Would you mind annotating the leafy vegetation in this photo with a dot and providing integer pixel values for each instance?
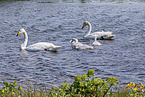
(83, 86)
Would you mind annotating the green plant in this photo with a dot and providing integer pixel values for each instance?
(86, 86)
(10, 88)
(83, 86)
(135, 89)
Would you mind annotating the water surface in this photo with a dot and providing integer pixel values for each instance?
(58, 23)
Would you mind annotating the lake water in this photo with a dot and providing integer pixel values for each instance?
(123, 57)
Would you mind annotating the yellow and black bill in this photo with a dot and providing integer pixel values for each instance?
(18, 34)
(83, 26)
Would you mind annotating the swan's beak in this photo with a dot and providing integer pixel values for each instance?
(18, 34)
(71, 41)
(83, 26)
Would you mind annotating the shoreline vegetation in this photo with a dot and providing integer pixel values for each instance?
(83, 86)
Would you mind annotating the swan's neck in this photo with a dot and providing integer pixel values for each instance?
(77, 41)
(23, 46)
(89, 29)
(95, 38)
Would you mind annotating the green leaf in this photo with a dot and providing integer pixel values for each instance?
(6, 84)
(78, 78)
(64, 86)
(84, 77)
(112, 80)
(97, 81)
(90, 72)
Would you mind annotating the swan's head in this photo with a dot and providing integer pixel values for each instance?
(21, 31)
(74, 40)
(85, 24)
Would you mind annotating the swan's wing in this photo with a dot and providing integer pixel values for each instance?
(83, 46)
(103, 35)
(42, 46)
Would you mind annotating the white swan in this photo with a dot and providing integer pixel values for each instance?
(100, 35)
(37, 46)
(96, 43)
(77, 45)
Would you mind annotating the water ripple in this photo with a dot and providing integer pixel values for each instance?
(122, 57)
